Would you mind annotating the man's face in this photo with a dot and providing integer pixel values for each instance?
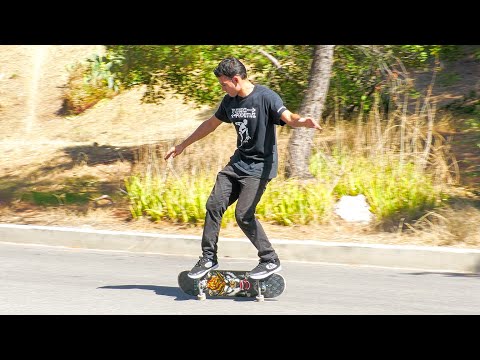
(229, 85)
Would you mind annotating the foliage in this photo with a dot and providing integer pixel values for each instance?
(188, 70)
(361, 70)
(90, 82)
(183, 200)
(358, 71)
(393, 191)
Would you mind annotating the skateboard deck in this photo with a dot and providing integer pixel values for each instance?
(231, 283)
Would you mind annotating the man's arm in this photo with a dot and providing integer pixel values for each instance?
(295, 120)
(203, 130)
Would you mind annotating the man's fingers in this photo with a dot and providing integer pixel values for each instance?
(168, 154)
(315, 124)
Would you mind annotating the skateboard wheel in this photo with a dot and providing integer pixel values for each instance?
(260, 298)
(201, 297)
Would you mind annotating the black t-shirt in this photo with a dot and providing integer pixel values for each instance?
(254, 118)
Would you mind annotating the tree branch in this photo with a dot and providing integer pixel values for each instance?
(275, 62)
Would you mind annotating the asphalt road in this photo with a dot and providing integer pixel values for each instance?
(38, 279)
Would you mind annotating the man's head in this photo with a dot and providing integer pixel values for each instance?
(230, 67)
(231, 74)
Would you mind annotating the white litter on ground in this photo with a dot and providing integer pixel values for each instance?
(354, 209)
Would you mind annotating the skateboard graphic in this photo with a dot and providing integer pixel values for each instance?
(231, 283)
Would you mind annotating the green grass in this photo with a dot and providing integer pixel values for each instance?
(68, 191)
(55, 198)
(392, 189)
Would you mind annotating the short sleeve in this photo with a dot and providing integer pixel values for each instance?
(276, 108)
(221, 113)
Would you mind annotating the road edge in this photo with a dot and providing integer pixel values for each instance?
(398, 256)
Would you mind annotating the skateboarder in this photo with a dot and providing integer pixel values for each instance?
(254, 110)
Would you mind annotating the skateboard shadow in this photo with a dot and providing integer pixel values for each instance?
(159, 290)
(171, 291)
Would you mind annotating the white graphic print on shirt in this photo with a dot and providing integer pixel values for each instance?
(243, 130)
(242, 125)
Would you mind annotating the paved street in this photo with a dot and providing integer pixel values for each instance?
(37, 279)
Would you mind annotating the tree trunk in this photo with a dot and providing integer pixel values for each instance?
(301, 140)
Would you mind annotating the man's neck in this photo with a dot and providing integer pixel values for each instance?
(247, 88)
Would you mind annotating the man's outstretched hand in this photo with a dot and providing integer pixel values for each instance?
(174, 150)
(309, 122)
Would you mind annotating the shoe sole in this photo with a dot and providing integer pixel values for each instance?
(259, 277)
(198, 276)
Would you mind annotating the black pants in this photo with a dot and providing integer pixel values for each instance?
(231, 185)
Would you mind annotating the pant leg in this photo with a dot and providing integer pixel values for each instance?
(224, 193)
(251, 192)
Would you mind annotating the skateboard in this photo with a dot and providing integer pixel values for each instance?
(231, 283)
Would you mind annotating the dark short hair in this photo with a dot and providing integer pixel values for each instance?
(230, 67)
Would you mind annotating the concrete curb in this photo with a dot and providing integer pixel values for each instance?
(400, 256)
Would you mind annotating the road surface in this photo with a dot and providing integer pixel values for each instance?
(38, 279)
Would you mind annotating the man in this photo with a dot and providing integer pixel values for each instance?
(254, 110)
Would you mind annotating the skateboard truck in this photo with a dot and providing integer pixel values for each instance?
(201, 284)
(259, 297)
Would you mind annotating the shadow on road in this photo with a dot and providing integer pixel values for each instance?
(171, 291)
(159, 290)
(451, 274)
